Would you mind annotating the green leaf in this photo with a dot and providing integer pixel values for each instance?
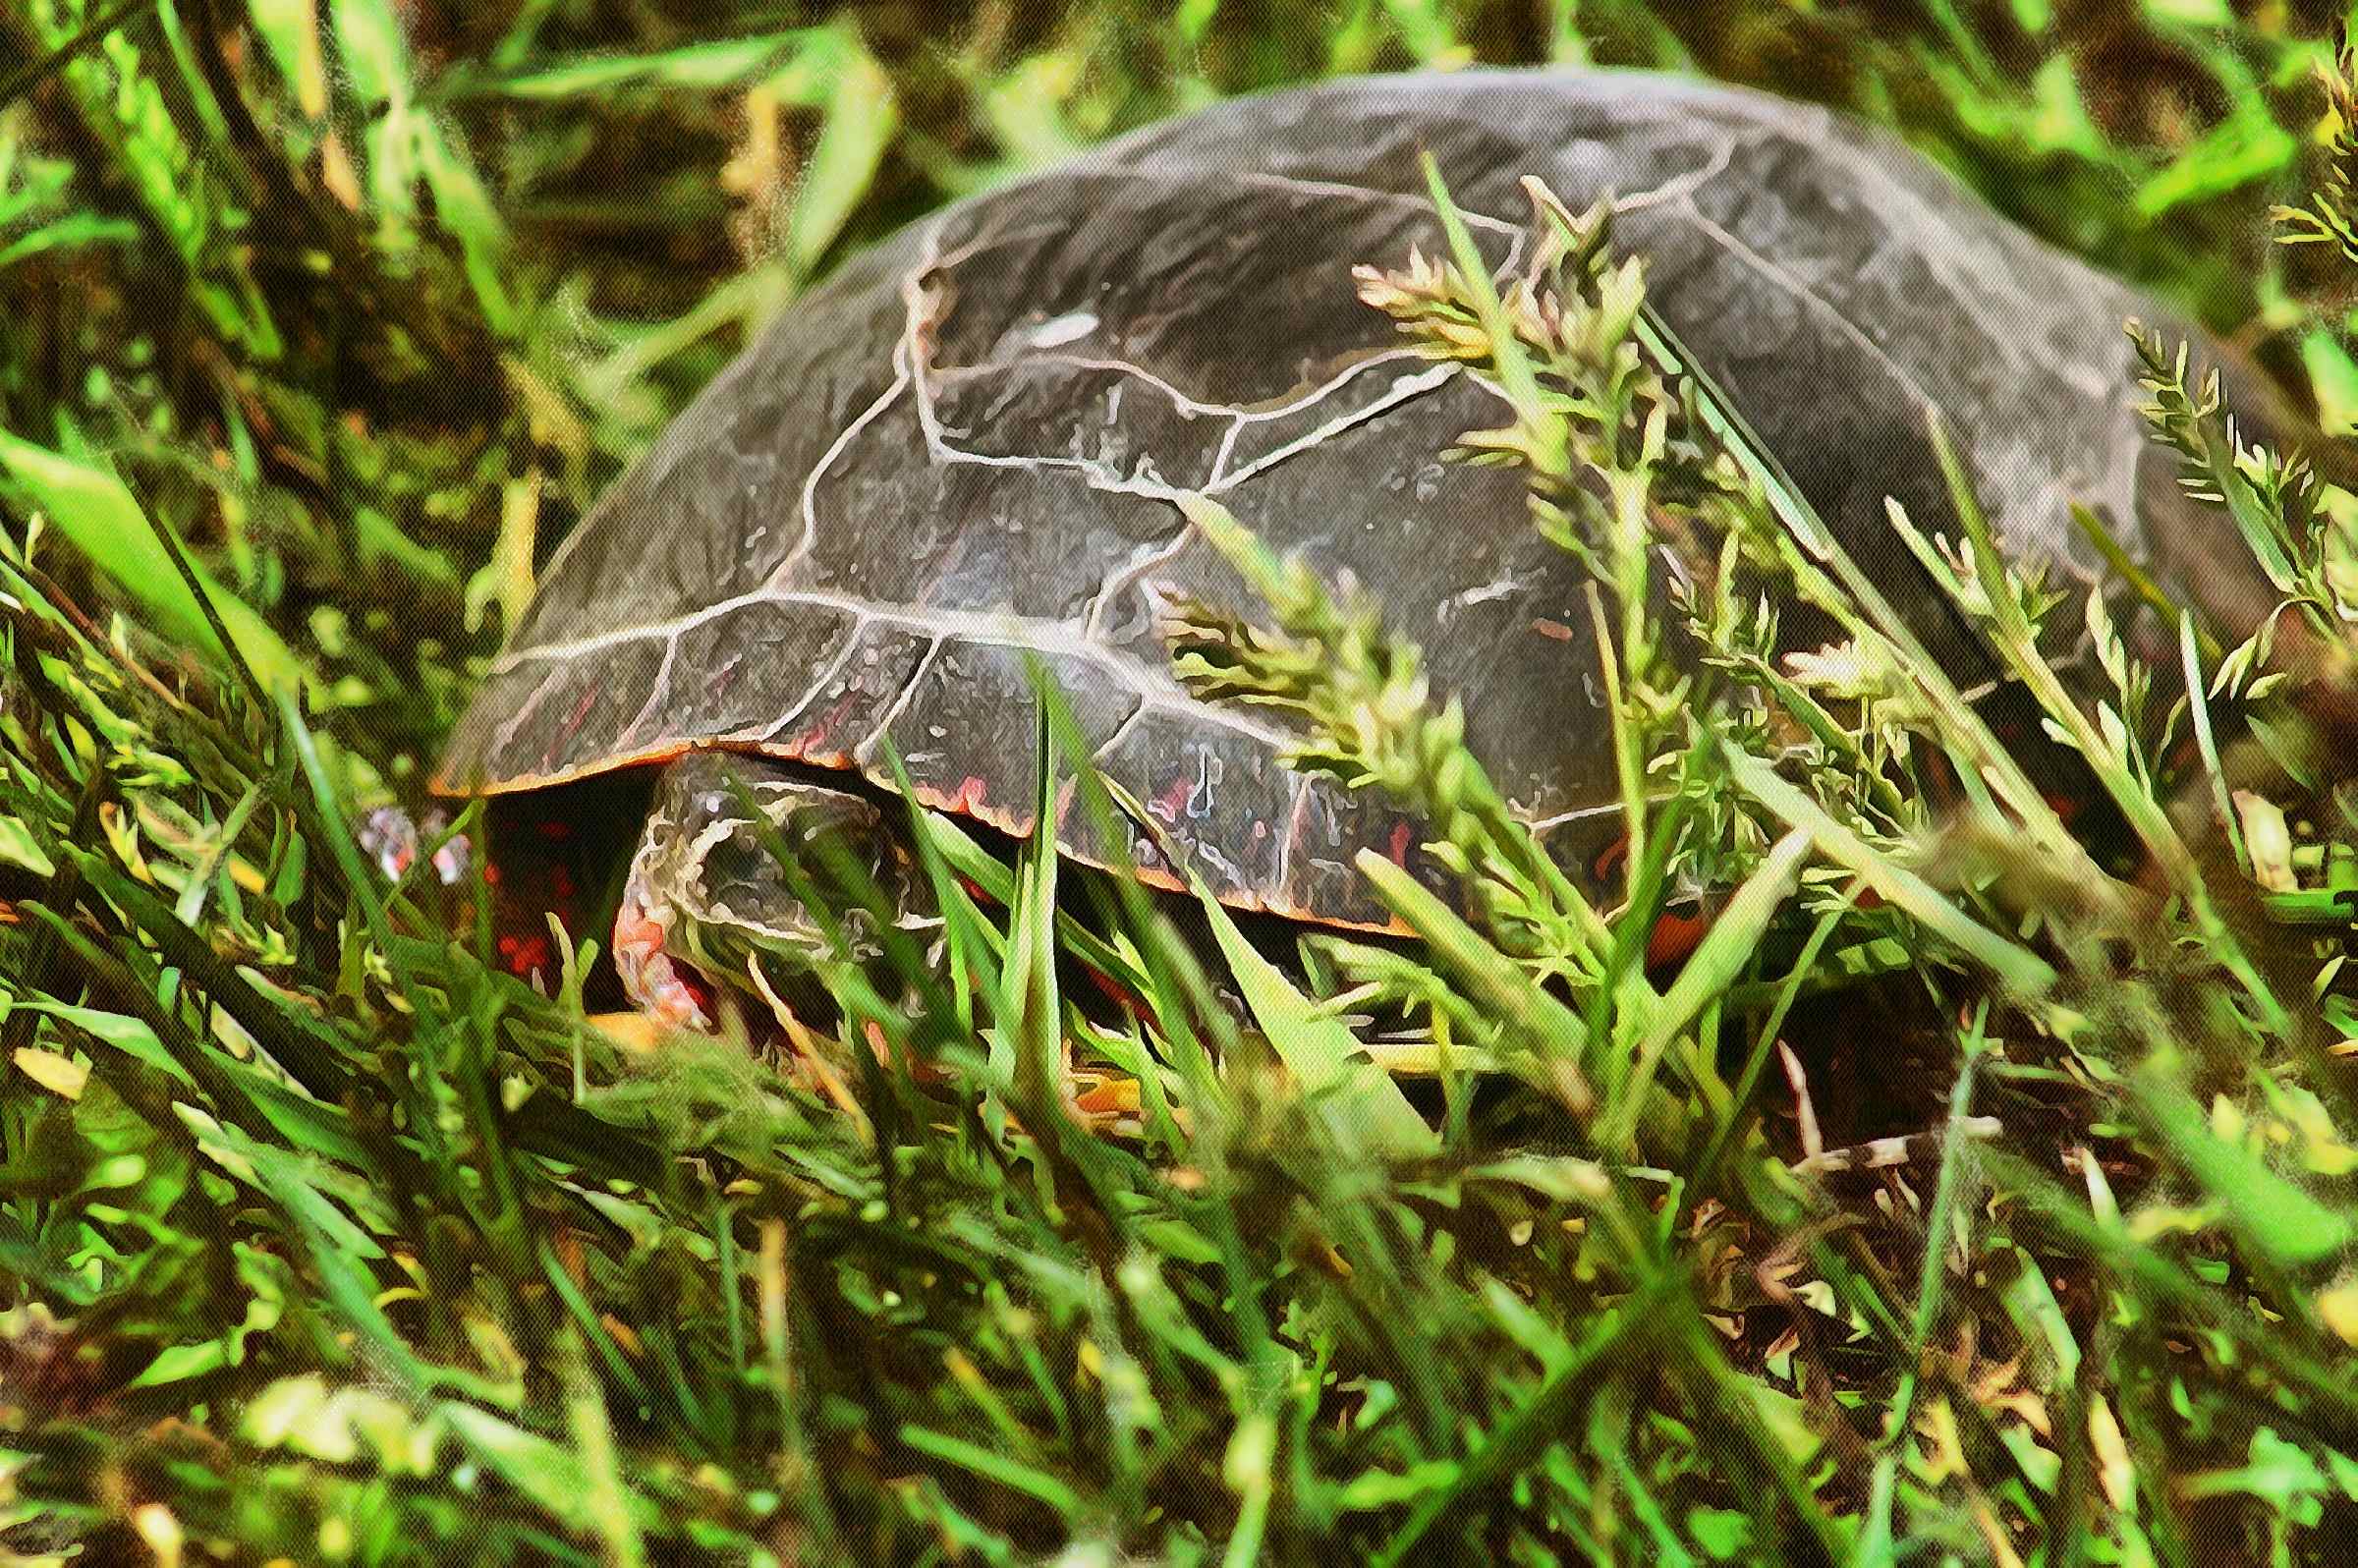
(1494, 980)
(265, 1276)
(336, 1248)
(1373, 1490)
(961, 853)
(2191, 13)
(1326, 1058)
(85, 500)
(74, 229)
(1787, 1420)
(2245, 146)
(698, 67)
(371, 49)
(290, 29)
(17, 848)
(119, 1029)
(2280, 1474)
(381, 541)
(1023, 110)
(1031, 1011)
(2017, 965)
(466, 211)
(862, 114)
(552, 1476)
(2280, 1219)
(2059, 122)
(298, 1183)
(304, 1415)
(1722, 1532)
(1715, 966)
(991, 1465)
(2333, 377)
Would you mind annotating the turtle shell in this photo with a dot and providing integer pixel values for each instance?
(962, 451)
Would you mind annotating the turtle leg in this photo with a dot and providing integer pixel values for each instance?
(707, 911)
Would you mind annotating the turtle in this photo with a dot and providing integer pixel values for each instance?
(958, 461)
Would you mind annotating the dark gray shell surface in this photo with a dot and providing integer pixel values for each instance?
(963, 449)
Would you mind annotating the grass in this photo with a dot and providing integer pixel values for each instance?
(325, 1239)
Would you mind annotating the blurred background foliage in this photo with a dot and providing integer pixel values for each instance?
(369, 299)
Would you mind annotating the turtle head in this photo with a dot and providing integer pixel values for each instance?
(710, 916)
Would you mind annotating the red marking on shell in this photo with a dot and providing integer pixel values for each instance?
(491, 873)
(1608, 859)
(562, 881)
(1673, 938)
(808, 743)
(525, 955)
(970, 794)
(1398, 849)
(1173, 799)
(555, 829)
(572, 724)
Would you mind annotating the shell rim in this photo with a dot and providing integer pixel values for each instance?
(1248, 900)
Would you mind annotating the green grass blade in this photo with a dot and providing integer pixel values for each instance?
(1716, 963)
(84, 500)
(2020, 968)
(1327, 1061)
